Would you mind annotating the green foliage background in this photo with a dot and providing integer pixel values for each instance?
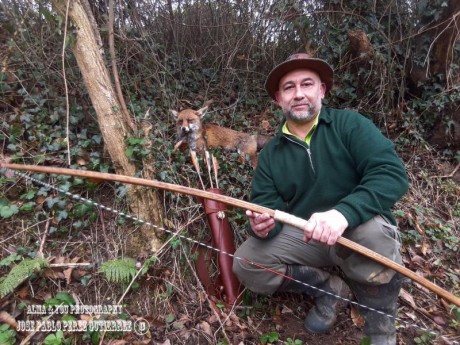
(178, 54)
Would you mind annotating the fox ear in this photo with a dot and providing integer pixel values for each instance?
(202, 112)
(174, 113)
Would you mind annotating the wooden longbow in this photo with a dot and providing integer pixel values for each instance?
(276, 214)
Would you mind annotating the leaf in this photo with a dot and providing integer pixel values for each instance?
(8, 211)
(81, 161)
(20, 273)
(356, 317)
(269, 337)
(80, 210)
(65, 297)
(170, 318)
(7, 336)
(178, 325)
(286, 310)
(52, 274)
(52, 339)
(62, 297)
(439, 320)
(206, 327)
(456, 312)
(119, 270)
(425, 248)
(129, 152)
(10, 259)
(406, 296)
(28, 206)
(62, 214)
(68, 274)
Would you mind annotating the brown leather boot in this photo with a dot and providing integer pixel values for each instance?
(320, 318)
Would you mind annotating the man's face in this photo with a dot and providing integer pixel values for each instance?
(299, 95)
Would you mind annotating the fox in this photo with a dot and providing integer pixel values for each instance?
(198, 136)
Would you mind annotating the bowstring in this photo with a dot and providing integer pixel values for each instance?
(189, 239)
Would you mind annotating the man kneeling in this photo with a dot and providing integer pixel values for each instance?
(335, 169)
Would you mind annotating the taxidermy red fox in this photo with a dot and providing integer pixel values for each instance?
(199, 136)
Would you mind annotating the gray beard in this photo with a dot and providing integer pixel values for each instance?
(301, 116)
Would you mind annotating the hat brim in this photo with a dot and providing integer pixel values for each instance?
(322, 68)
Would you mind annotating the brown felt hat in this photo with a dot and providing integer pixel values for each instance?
(299, 61)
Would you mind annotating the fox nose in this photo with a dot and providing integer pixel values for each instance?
(185, 129)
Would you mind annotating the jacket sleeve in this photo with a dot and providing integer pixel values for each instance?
(383, 176)
(264, 192)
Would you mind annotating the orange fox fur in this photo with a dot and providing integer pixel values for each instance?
(199, 136)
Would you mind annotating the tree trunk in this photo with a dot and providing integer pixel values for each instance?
(442, 36)
(115, 124)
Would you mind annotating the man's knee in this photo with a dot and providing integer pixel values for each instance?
(376, 235)
(240, 268)
(256, 277)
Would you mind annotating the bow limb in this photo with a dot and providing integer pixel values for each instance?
(277, 215)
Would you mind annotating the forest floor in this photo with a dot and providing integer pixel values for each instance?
(170, 299)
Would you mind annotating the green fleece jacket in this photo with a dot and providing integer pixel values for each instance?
(349, 166)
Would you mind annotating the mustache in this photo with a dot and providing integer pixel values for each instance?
(301, 103)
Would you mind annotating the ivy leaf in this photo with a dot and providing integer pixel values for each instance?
(61, 215)
(10, 259)
(65, 297)
(29, 206)
(81, 210)
(8, 211)
(129, 152)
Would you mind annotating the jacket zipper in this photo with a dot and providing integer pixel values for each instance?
(306, 149)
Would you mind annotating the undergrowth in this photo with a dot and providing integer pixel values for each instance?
(165, 65)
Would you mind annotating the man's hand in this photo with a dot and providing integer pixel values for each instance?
(261, 224)
(325, 227)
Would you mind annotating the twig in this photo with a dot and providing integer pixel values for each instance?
(42, 242)
(67, 106)
(452, 20)
(233, 308)
(72, 264)
(211, 303)
(20, 232)
(450, 175)
(113, 59)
